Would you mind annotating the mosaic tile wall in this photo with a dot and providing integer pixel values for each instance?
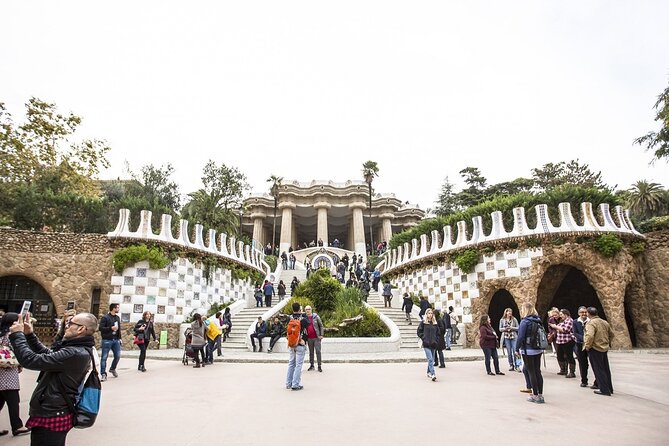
(446, 283)
(173, 292)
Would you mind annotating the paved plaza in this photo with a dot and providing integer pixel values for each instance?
(371, 403)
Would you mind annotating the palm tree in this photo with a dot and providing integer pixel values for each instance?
(370, 169)
(646, 199)
(274, 192)
(205, 208)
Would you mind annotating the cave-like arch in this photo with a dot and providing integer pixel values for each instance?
(564, 286)
(14, 290)
(501, 300)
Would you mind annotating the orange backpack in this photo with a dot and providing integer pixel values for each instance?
(293, 333)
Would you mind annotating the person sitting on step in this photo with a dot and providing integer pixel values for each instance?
(259, 333)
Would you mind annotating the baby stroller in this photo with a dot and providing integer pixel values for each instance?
(188, 347)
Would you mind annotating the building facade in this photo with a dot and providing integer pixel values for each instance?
(338, 214)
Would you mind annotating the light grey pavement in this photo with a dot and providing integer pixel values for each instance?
(374, 403)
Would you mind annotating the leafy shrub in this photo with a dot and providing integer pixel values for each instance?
(372, 261)
(637, 247)
(272, 262)
(558, 241)
(321, 288)
(608, 244)
(467, 260)
(654, 224)
(130, 255)
(303, 301)
(370, 326)
(533, 243)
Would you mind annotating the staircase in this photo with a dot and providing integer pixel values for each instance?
(409, 341)
(237, 338)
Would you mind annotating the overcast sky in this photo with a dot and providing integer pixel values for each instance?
(311, 90)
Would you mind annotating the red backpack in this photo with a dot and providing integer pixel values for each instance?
(293, 332)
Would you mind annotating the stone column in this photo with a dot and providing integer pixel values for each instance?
(286, 226)
(258, 234)
(358, 229)
(387, 230)
(322, 226)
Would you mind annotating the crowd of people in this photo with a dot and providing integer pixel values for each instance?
(64, 366)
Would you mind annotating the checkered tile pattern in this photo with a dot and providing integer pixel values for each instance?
(446, 283)
(173, 292)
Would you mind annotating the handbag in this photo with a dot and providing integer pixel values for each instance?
(8, 358)
(139, 339)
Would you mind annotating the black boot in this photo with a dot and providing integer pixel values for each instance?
(572, 371)
(563, 368)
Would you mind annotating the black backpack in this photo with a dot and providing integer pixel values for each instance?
(536, 337)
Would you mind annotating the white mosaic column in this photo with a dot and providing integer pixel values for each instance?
(322, 224)
(387, 229)
(258, 234)
(286, 227)
(358, 229)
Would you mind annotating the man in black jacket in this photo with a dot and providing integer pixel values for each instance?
(63, 368)
(110, 330)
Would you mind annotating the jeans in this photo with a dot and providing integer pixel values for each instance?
(211, 345)
(491, 352)
(268, 301)
(295, 361)
(510, 345)
(218, 345)
(447, 337)
(533, 364)
(273, 340)
(259, 337)
(429, 354)
(115, 346)
(582, 357)
(314, 344)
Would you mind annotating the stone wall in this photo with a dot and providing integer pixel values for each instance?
(67, 266)
(127, 335)
(656, 271)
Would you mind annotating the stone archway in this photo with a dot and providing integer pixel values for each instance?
(14, 290)
(565, 286)
(501, 300)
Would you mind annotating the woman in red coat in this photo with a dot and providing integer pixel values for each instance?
(488, 343)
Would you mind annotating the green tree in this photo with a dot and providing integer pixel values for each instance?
(573, 173)
(646, 200)
(43, 166)
(215, 206)
(658, 142)
(476, 191)
(446, 202)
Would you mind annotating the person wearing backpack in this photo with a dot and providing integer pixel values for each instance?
(296, 335)
(63, 370)
(531, 343)
(387, 294)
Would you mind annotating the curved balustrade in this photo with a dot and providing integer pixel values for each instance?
(568, 225)
(226, 248)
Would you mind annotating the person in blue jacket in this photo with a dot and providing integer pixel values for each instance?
(531, 356)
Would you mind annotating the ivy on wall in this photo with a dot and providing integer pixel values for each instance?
(159, 257)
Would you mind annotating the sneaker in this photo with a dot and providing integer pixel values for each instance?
(532, 399)
(434, 378)
(310, 369)
(114, 374)
(269, 350)
(499, 373)
(584, 384)
(540, 399)
(526, 390)
(297, 388)
(288, 387)
(103, 377)
(320, 369)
